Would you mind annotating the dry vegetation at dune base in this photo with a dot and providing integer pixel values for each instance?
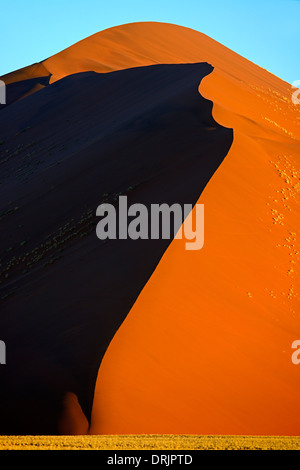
(150, 442)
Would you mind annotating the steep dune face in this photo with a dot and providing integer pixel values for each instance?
(206, 345)
(145, 133)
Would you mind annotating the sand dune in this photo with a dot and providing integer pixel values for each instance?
(67, 291)
(206, 345)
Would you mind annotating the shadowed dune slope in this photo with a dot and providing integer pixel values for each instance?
(25, 81)
(144, 132)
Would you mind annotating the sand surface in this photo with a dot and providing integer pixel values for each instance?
(202, 339)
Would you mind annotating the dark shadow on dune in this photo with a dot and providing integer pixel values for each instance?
(18, 90)
(144, 132)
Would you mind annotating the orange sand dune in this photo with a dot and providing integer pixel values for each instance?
(140, 44)
(207, 346)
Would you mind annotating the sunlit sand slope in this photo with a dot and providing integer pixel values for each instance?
(207, 346)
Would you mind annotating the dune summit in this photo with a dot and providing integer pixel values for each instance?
(142, 336)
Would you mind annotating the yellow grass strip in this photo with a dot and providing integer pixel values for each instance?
(150, 442)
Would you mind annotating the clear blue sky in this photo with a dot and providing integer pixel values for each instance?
(266, 32)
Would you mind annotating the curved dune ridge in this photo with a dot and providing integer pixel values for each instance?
(206, 347)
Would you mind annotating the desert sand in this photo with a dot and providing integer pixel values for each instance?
(149, 339)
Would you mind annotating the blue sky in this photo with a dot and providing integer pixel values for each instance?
(266, 32)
